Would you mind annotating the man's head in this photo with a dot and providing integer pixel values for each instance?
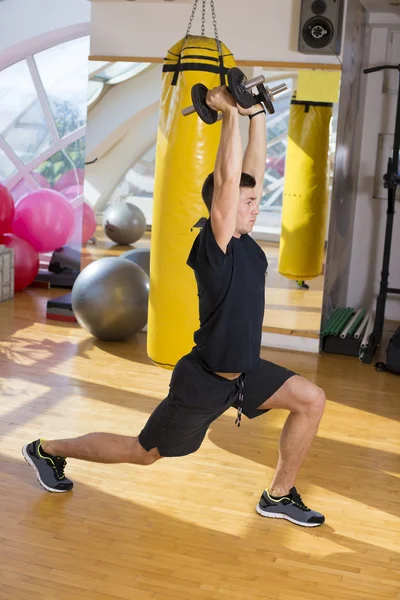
(248, 201)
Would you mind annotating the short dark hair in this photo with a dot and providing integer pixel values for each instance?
(207, 192)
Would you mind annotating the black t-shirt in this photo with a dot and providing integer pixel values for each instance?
(231, 290)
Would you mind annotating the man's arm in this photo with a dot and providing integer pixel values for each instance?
(255, 156)
(227, 170)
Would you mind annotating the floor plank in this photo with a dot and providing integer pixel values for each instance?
(186, 527)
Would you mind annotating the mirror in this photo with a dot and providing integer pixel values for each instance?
(123, 108)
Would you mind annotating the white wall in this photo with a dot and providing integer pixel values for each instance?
(25, 23)
(347, 161)
(256, 30)
(370, 217)
(119, 129)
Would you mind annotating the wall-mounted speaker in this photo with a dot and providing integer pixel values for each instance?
(321, 24)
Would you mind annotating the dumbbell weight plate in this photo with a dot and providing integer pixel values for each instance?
(236, 81)
(206, 114)
(264, 97)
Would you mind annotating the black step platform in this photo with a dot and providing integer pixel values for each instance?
(60, 309)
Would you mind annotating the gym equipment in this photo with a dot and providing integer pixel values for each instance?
(63, 269)
(110, 298)
(65, 260)
(267, 95)
(124, 223)
(26, 260)
(89, 223)
(342, 333)
(392, 355)
(87, 227)
(6, 210)
(139, 256)
(352, 324)
(60, 309)
(238, 86)
(186, 153)
(22, 188)
(6, 273)
(72, 192)
(45, 219)
(392, 180)
(306, 190)
(69, 178)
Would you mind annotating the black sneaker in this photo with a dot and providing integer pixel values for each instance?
(49, 469)
(290, 507)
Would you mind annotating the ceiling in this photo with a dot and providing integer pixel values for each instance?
(388, 6)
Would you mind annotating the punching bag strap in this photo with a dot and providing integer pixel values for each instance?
(307, 103)
(221, 58)
(177, 67)
(222, 69)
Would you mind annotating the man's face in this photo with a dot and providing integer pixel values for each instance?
(247, 211)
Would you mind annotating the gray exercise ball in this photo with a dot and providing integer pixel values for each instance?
(124, 223)
(139, 256)
(110, 299)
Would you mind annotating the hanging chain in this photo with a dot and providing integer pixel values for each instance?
(192, 17)
(215, 27)
(203, 18)
(203, 21)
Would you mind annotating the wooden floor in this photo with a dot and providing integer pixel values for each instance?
(289, 310)
(186, 528)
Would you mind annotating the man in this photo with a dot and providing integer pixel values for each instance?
(224, 368)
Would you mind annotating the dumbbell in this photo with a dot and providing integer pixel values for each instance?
(267, 95)
(238, 86)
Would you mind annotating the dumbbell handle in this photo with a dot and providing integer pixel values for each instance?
(277, 89)
(272, 91)
(249, 84)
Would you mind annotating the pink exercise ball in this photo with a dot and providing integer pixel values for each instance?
(88, 223)
(72, 192)
(73, 177)
(26, 260)
(44, 219)
(85, 223)
(6, 210)
(22, 188)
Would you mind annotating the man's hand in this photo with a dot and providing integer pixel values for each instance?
(246, 112)
(220, 99)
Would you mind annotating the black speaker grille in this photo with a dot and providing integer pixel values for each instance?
(318, 32)
(318, 7)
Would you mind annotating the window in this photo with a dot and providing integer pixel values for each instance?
(113, 73)
(277, 140)
(22, 121)
(63, 72)
(43, 101)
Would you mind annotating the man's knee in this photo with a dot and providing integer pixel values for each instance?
(310, 398)
(140, 456)
(150, 457)
(316, 400)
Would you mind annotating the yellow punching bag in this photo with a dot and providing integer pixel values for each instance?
(306, 189)
(186, 153)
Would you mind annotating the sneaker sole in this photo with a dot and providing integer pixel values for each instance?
(263, 513)
(34, 467)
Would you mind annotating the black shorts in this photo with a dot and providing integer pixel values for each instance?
(198, 396)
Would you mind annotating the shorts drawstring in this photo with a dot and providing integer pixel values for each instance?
(240, 386)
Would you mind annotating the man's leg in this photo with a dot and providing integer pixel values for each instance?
(306, 403)
(102, 448)
(47, 458)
